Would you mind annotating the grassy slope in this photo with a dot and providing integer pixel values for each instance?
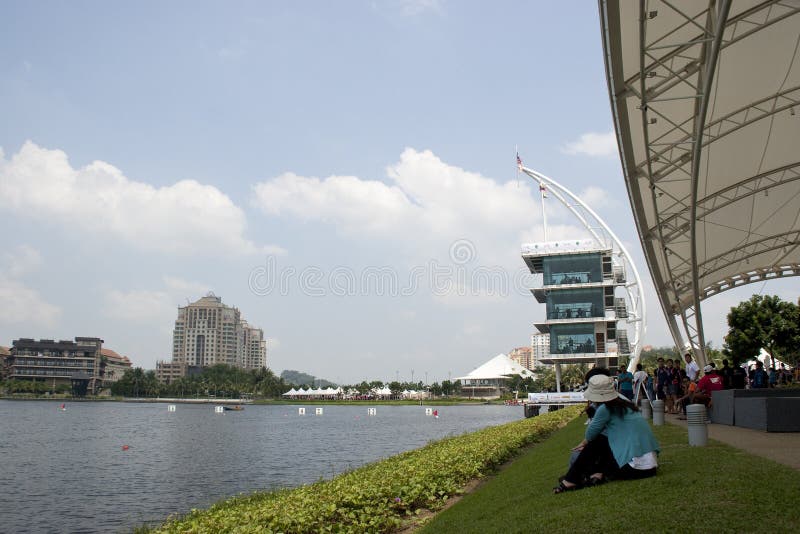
(698, 489)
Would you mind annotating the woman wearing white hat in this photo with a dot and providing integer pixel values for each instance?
(619, 443)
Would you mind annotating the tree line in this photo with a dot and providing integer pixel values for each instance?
(220, 380)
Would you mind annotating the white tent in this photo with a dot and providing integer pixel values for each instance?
(291, 393)
(301, 392)
(765, 358)
(501, 366)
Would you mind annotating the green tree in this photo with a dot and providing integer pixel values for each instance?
(764, 321)
(395, 387)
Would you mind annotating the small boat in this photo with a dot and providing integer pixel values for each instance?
(236, 408)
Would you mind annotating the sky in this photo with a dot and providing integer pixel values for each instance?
(342, 172)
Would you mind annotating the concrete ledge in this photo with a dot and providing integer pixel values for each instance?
(771, 410)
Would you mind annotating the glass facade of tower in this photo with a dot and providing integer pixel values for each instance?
(581, 310)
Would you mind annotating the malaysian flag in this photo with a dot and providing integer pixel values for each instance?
(542, 190)
(519, 161)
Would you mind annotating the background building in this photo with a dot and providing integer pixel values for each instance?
(83, 364)
(540, 348)
(522, 355)
(208, 332)
(253, 347)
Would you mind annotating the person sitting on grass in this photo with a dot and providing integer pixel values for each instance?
(619, 443)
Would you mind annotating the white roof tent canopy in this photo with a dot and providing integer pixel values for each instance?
(706, 104)
(499, 367)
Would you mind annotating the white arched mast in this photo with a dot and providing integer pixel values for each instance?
(603, 235)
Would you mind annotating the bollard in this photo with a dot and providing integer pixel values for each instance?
(696, 419)
(658, 412)
(531, 410)
(644, 406)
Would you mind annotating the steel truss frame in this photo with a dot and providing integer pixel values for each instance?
(681, 65)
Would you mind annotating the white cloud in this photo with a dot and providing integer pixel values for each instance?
(426, 204)
(593, 144)
(596, 197)
(180, 286)
(22, 260)
(22, 305)
(411, 8)
(140, 306)
(158, 307)
(184, 218)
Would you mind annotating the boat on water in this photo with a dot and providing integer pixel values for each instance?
(234, 408)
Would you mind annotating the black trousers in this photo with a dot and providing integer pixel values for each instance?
(596, 457)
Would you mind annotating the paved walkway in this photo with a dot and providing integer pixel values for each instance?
(782, 447)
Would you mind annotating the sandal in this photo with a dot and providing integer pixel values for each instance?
(596, 481)
(561, 488)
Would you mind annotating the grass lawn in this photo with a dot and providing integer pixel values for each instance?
(698, 489)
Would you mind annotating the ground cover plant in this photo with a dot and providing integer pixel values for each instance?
(716, 488)
(378, 497)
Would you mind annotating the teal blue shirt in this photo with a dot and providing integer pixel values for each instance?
(628, 384)
(628, 436)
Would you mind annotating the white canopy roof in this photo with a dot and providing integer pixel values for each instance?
(291, 392)
(501, 366)
(705, 101)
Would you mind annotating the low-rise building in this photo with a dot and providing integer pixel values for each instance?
(492, 378)
(82, 364)
(5, 352)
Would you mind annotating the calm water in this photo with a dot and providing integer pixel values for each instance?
(67, 472)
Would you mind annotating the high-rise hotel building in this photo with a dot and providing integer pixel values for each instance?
(208, 332)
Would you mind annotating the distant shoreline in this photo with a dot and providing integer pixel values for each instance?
(262, 402)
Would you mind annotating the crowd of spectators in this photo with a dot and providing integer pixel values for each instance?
(680, 386)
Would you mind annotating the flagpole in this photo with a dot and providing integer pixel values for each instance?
(516, 149)
(542, 192)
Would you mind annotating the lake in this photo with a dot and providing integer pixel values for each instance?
(67, 471)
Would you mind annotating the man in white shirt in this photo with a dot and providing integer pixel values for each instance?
(692, 369)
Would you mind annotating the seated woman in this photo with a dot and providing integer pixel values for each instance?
(618, 444)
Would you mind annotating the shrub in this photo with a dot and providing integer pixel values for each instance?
(378, 496)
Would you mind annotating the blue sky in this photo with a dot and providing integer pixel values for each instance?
(156, 151)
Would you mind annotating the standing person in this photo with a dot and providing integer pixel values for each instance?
(662, 378)
(618, 443)
(739, 377)
(625, 382)
(759, 379)
(640, 380)
(692, 369)
(727, 375)
(672, 386)
(773, 377)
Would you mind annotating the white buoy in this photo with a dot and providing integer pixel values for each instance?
(171, 408)
(428, 411)
(318, 411)
(301, 411)
(219, 409)
(372, 411)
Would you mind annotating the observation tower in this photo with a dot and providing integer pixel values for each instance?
(588, 286)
